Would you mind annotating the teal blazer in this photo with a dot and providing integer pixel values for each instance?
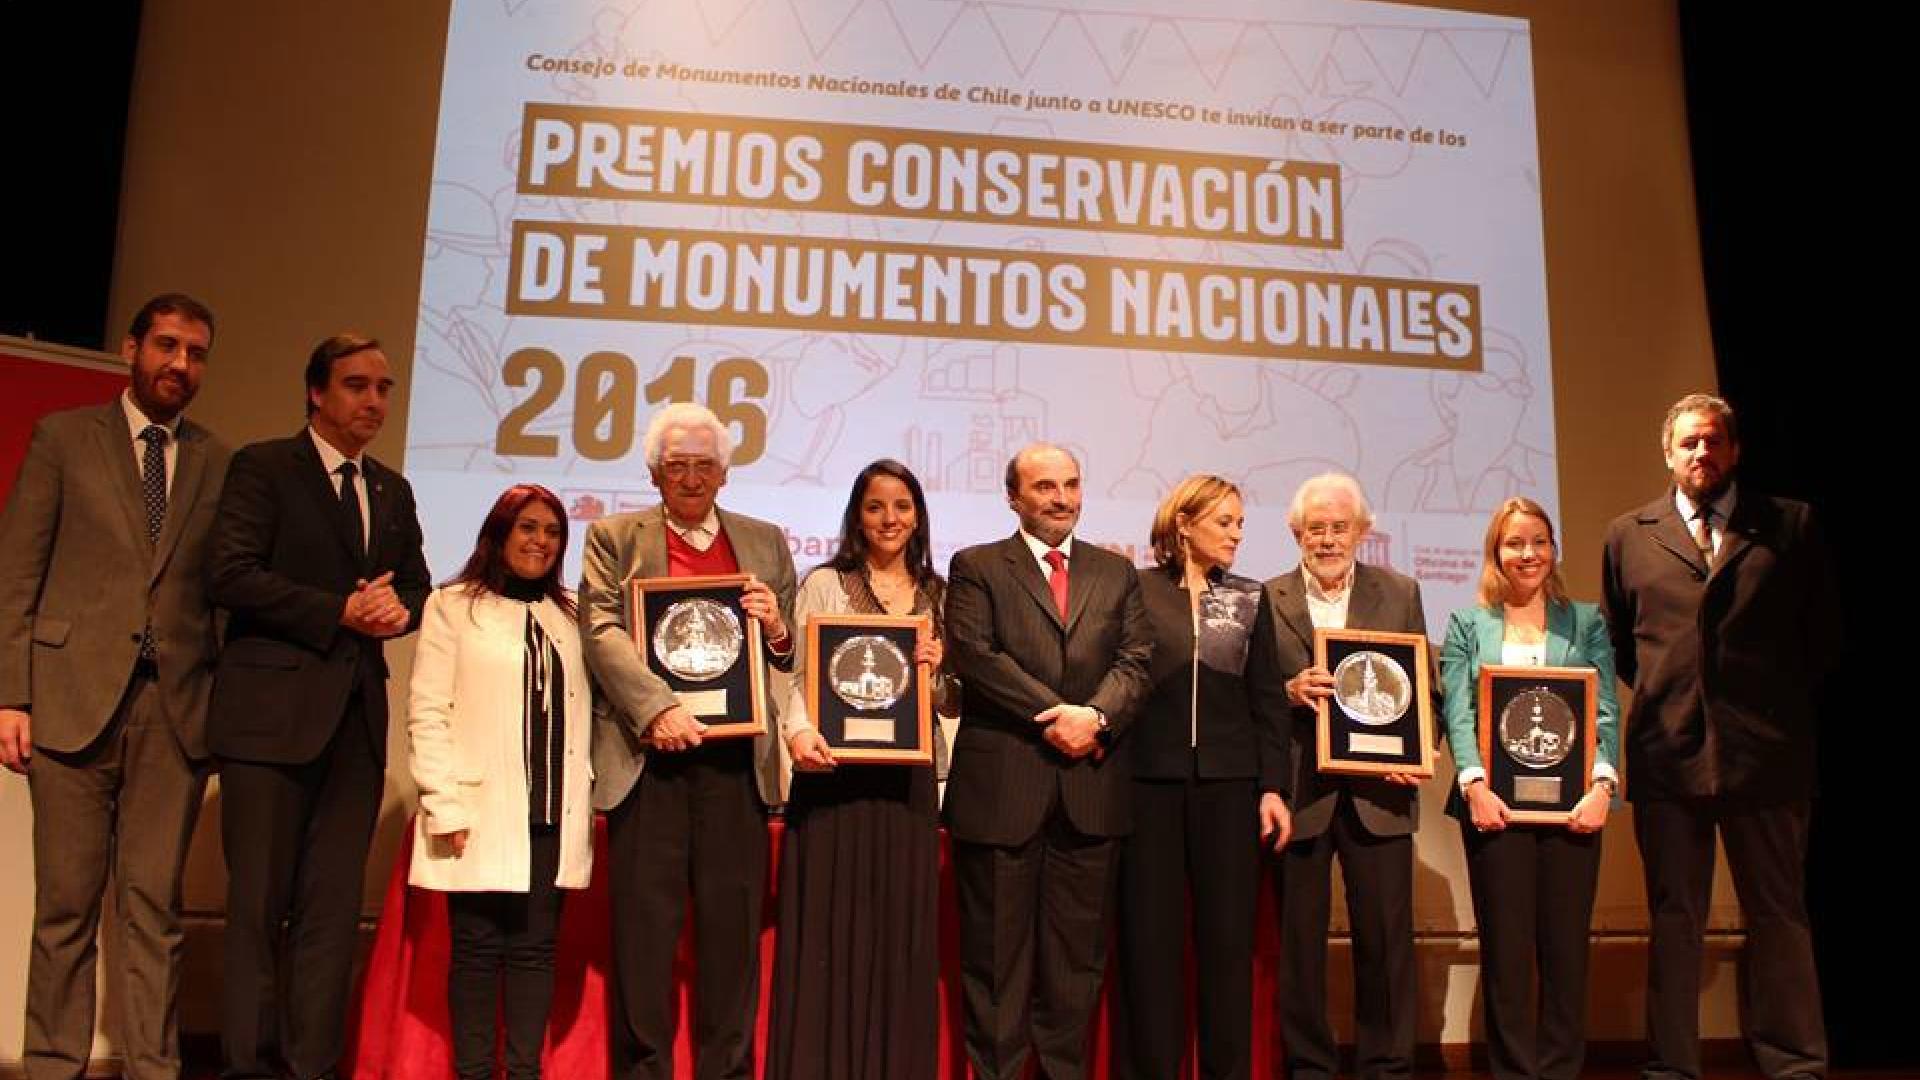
(1576, 637)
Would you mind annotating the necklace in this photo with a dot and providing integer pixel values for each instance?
(891, 588)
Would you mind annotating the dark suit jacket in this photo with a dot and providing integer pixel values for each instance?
(1723, 663)
(1240, 707)
(282, 565)
(79, 579)
(1016, 658)
(1382, 600)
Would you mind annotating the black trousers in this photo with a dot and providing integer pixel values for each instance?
(1379, 878)
(296, 839)
(1033, 947)
(694, 822)
(1199, 840)
(502, 958)
(1780, 1011)
(1533, 891)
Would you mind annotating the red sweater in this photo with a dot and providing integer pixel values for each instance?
(684, 561)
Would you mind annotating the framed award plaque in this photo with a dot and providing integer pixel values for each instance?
(865, 694)
(1380, 717)
(694, 634)
(1537, 738)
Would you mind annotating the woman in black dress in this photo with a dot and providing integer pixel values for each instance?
(855, 974)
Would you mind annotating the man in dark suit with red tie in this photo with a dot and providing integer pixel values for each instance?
(1722, 608)
(316, 556)
(1050, 639)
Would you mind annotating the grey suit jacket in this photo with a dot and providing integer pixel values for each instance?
(79, 579)
(631, 695)
(1382, 600)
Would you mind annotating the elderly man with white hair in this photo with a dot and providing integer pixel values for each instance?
(685, 815)
(1366, 822)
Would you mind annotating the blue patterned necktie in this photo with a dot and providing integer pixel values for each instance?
(153, 491)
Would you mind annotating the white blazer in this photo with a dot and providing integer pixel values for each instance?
(466, 727)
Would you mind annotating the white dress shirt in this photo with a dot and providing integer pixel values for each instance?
(1328, 608)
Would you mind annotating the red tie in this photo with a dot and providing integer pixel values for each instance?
(1057, 581)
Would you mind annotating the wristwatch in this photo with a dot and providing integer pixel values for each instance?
(1105, 735)
(1608, 782)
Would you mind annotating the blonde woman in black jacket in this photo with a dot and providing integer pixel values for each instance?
(1207, 791)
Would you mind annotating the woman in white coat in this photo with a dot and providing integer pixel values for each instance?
(499, 728)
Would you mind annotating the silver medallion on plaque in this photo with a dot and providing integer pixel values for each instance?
(697, 639)
(868, 672)
(1372, 688)
(1536, 729)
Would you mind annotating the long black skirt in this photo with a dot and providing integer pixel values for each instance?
(856, 968)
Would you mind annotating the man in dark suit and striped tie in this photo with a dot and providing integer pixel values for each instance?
(1049, 636)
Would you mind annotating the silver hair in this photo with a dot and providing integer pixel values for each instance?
(685, 414)
(1335, 482)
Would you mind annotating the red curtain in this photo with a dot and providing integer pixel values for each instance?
(35, 386)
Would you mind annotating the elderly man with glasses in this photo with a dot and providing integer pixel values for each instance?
(685, 814)
(1367, 822)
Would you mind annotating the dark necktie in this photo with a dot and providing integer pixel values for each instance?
(1703, 534)
(153, 479)
(1057, 581)
(153, 493)
(350, 510)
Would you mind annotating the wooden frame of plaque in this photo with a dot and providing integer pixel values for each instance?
(1547, 784)
(732, 700)
(898, 726)
(1383, 723)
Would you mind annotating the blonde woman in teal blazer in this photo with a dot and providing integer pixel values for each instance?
(1533, 885)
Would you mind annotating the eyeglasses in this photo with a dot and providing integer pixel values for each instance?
(681, 468)
(1320, 532)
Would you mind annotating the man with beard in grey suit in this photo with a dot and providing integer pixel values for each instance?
(106, 657)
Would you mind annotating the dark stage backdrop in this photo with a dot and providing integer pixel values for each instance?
(1801, 367)
(64, 80)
